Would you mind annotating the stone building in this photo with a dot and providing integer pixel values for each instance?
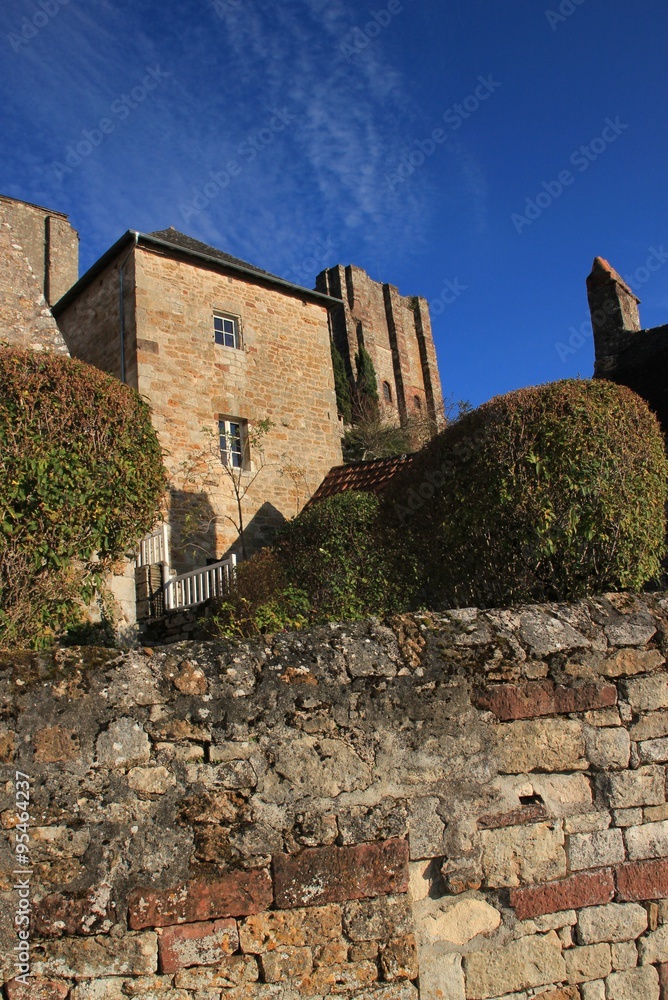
(218, 347)
(396, 331)
(235, 363)
(624, 353)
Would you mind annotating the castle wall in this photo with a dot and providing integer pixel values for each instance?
(396, 330)
(282, 372)
(25, 318)
(462, 806)
(49, 242)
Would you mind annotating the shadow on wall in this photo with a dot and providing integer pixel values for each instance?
(193, 523)
(259, 531)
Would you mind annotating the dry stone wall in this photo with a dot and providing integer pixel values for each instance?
(463, 806)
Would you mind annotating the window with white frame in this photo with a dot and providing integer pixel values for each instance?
(226, 330)
(232, 435)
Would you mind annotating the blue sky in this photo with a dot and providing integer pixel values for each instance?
(301, 133)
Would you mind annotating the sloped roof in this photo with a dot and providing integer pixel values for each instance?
(370, 477)
(184, 242)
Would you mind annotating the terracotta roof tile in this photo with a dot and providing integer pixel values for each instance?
(370, 477)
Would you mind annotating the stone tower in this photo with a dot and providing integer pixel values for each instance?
(613, 307)
(39, 253)
(396, 331)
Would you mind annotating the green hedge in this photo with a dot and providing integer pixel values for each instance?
(83, 480)
(550, 492)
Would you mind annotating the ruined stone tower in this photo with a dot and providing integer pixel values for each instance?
(39, 260)
(396, 331)
(625, 353)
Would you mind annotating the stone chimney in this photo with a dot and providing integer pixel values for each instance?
(613, 307)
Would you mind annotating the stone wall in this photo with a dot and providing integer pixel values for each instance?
(396, 331)
(462, 806)
(49, 242)
(25, 319)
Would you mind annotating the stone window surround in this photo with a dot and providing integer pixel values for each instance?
(226, 425)
(223, 314)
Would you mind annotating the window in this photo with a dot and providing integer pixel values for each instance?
(387, 392)
(226, 330)
(232, 437)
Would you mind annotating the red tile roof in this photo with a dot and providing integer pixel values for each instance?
(370, 477)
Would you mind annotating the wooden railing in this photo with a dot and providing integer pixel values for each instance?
(154, 548)
(199, 585)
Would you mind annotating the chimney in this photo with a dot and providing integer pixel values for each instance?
(613, 307)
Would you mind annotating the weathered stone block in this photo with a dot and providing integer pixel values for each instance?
(457, 923)
(633, 984)
(151, 780)
(647, 841)
(585, 889)
(228, 972)
(285, 964)
(545, 745)
(386, 821)
(613, 922)
(624, 956)
(426, 828)
(654, 947)
(644, 787)
(37, 989)
(334, 874)
(651, 726)
(197, 944)
(95, 958)
(529, 962)
(628, 662)
(587, 963)
(653, 751)
(593, 991)
(519, 855)
(377, 919)
(290, 928)
(398, 960)
(608, 748)
(55, 744)
(123, 744)
(595, 850)
(646, 694)
(538, 698)
(236, 895)
(56, 915)
(641, 880)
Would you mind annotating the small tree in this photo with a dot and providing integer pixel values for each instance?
(213, 465)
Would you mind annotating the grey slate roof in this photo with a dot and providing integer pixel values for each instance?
(184, 242)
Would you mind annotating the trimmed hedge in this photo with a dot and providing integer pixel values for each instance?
(83, 481)
(547, 493)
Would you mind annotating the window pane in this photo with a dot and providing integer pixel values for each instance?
(218, 322)
(229, 340)
(218, 334)
(228, 326)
